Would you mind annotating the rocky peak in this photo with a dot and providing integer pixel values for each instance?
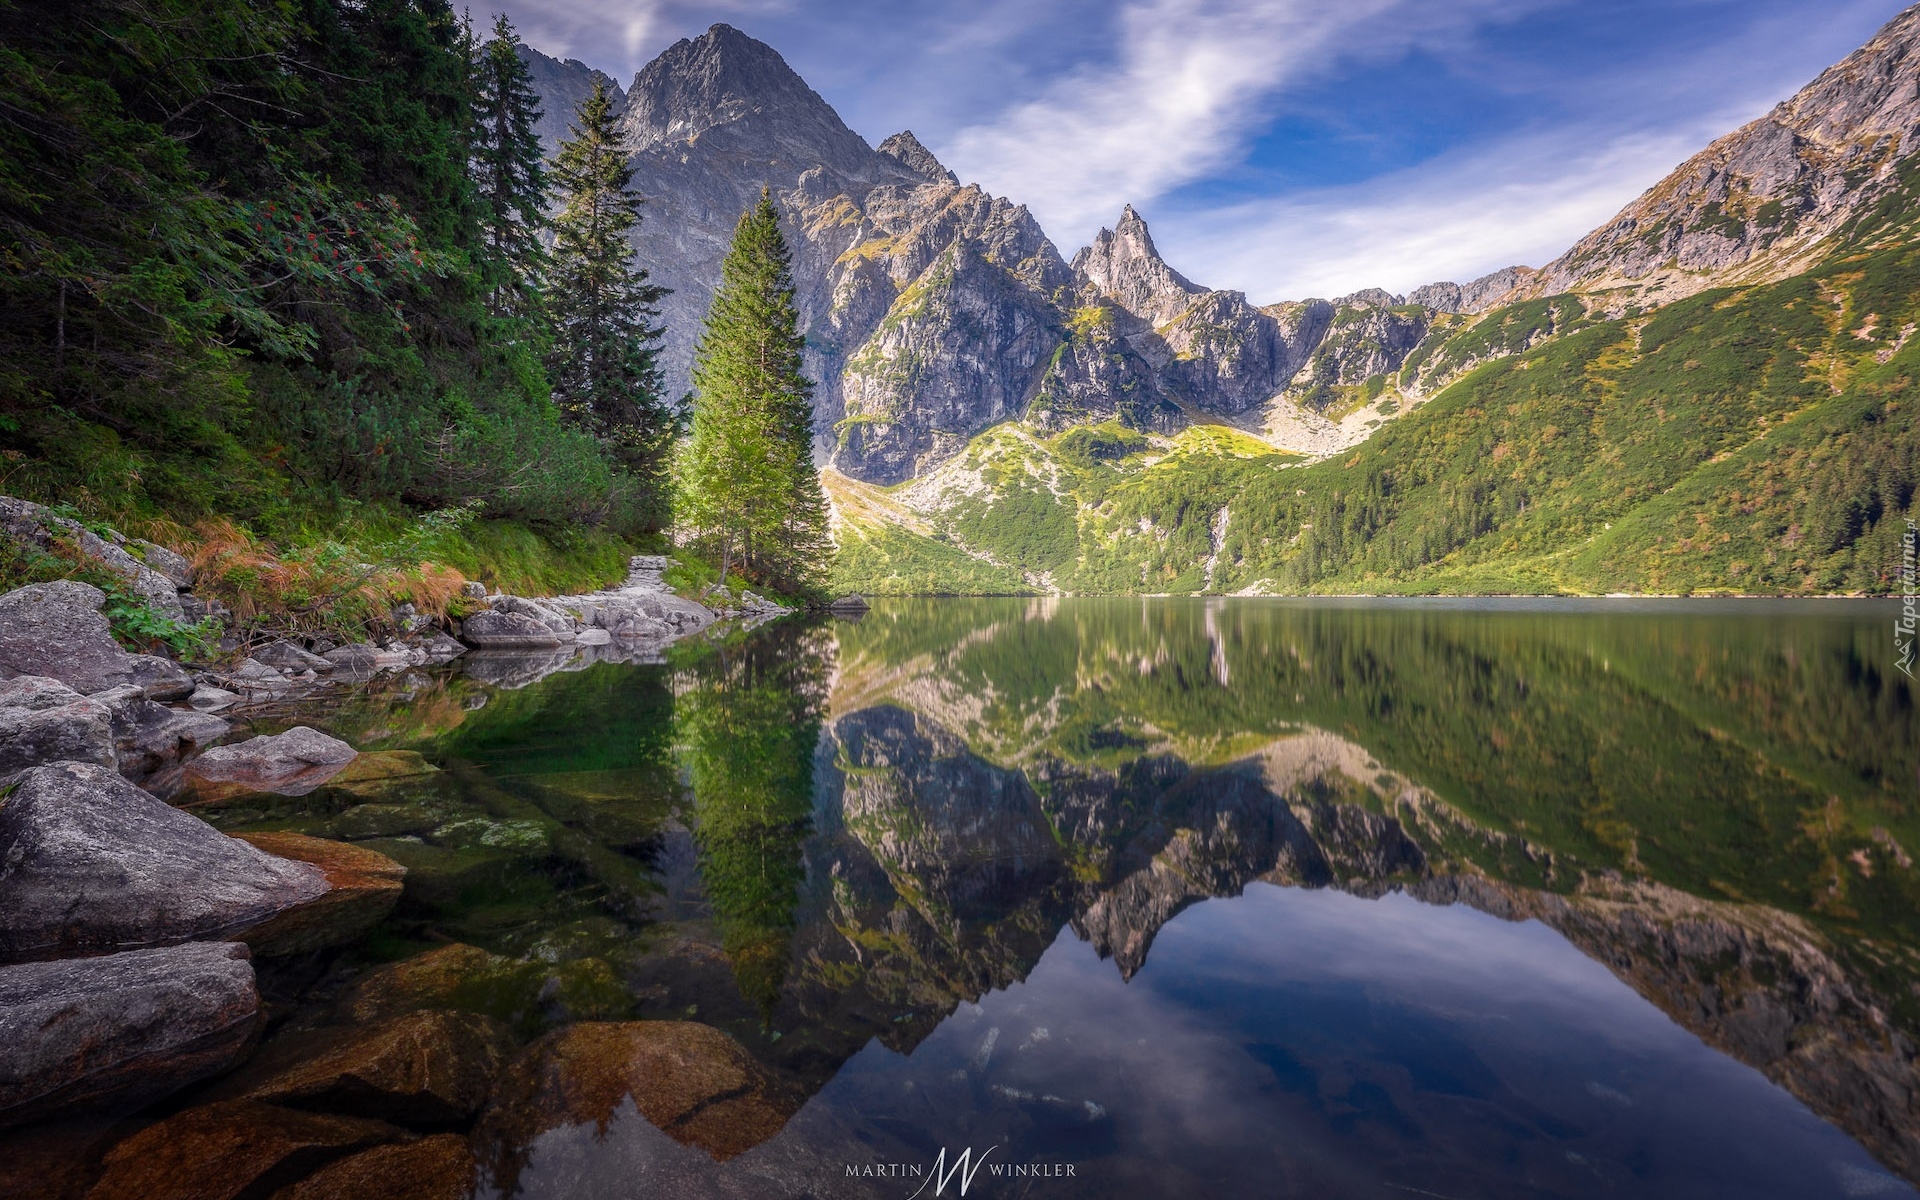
(726, 87)
(1482, 294)
(1369, 298)
(907, 149)
(1123, 265)
(1757, 204)
(563, 84)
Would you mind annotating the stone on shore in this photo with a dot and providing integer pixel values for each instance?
(56, 630)
(43, 720)
(94, 865)
(35, 525)
(148, 735)
(509, 631)
(288, 764)
(120, 1031)
(284, 655)
(362, 888)
(433, 1068)
(232, 1149)
(694, 1082)
(434, 1168)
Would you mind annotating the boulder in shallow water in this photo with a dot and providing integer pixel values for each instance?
(288, 764)
(232, 1149)
(94, 865)
(694, 1082)
(56, 630)
(434, 1168)
(285, 656)
(510, 631)
(431, 1068)
(120, 1031)
(43, 720)
(362, 888)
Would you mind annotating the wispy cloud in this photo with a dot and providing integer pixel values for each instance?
(1521, 202)
(1181, 96)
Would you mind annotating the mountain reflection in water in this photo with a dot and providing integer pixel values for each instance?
(1205, 898)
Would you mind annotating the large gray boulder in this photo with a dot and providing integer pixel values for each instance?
(35, 525)
(55, 630)
(120, 1031)
(90, 864)
(291, 763)
(148, 735)
(43, 720)
(509, 631)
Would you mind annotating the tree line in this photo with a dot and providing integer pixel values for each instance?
(285, 259)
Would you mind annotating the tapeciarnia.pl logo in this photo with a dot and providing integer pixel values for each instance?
(960, 1173)
(1904, 627)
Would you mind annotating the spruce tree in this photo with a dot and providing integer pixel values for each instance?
(604, 366)
(509, 171)
(748, 483)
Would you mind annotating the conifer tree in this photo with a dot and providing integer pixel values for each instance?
(604, 366)
(509, 171)
(748, 482)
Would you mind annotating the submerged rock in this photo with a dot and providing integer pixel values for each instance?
(55, 630)
(362, 888)
(695, 1083)
(434, 1168)
(94, 865)
(120, 1031)
(231, 1149)
(431, 1068)
(288, 764)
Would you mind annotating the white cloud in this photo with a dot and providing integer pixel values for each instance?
(1183, 96)
(1525, 201)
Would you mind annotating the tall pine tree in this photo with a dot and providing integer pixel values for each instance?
(604, 366)
(748, 483)
(509, 172)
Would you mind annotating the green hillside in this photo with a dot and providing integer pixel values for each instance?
(1759, 439)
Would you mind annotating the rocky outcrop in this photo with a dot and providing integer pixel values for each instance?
(56, 630)
(157, 576)
(1488, 291)
(563, 85)
(120, 1031)
(1757, 204)
(642, 610)
(148, 735)
(288, 764)
(90, 864)
(906, 148)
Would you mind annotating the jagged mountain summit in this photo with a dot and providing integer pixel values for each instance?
(934, 310)
(563, 84)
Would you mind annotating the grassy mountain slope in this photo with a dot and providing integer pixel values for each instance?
(1758, 439)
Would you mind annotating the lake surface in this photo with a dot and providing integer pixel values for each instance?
(1192, 898)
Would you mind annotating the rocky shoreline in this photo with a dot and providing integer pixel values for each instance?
(132, 932)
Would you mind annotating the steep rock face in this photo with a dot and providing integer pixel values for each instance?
(1368, 336)
(1210, 349)
(1755, 204)
(711, 122)
(563, 84)
(907, 149)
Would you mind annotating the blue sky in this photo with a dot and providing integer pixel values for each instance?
(1286, 148)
